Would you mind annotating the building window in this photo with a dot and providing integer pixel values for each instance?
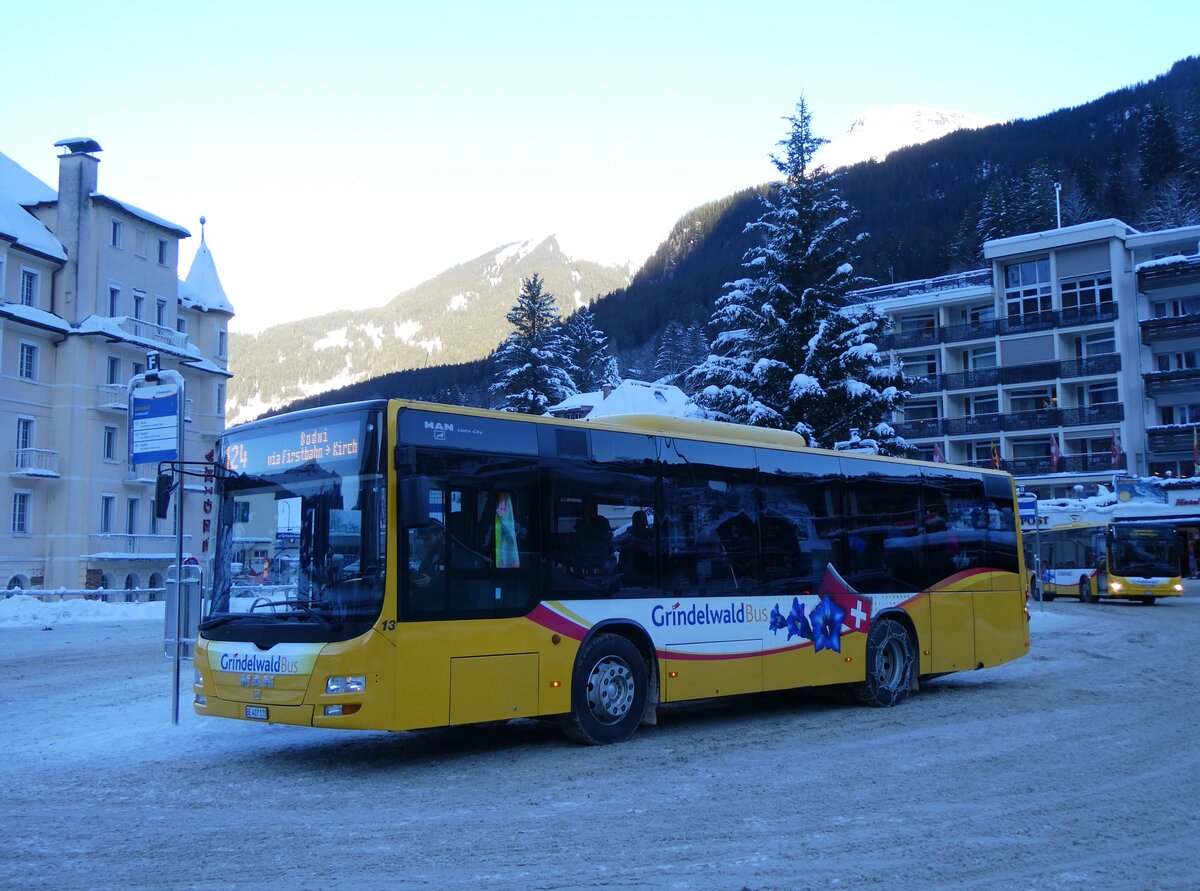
(116, 233)
(181, 325)
(1103, 343)
(160, 312)
(924, 321)
(114, 300)
(1181, 414)
(162, 252)
(220, 400)
(138, 368)
(29, 286)
(921, 364)
(1027, 288)
(979, 357)
(139, 305)
(981, 404)
(110, 443)
(1180, 306)
(28, 362)
(1102, 393)
(1033, 399)
(1087, 292)
(222, 342)
(108, 504)
(24, 433)
(140, 239)
(131, 516)
(1185, 360)
(970, 315)
(114, 370)
(20, 513)
(922, 409)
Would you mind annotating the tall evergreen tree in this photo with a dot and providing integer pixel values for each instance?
(790, 353)
(1158, 146)
(531, 364)
(587, 347)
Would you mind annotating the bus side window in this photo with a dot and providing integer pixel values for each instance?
(801, 520)
(1002, 528)
(882, 513)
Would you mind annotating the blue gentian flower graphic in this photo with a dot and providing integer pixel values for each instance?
(827, 625)
(777, 620)
(797, 622)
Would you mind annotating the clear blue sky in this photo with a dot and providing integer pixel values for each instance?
(345, 152)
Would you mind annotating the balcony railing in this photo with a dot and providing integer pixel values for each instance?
(1094, 463)
(150, 331)
(996, 422)
(35, 463)
(1029, 373)
(114, 546)
(1174, 438)
(1173, 328)
(1042, 321)
(111, 397)
(1165, 383)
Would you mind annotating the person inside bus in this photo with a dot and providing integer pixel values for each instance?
(432, 569)
(637, 556)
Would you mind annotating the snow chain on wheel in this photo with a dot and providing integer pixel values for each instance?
(608, 691)
(891, 663)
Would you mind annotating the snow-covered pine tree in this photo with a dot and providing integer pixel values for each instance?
(671, 354)
(587, 347)
(532, 367)
(789, 352)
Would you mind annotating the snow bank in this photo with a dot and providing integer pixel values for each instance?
(23, 610)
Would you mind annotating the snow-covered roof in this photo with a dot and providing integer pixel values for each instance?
(143, 214)
(202, 288)
(34, 316)
(22, 186)
(28, 231)
(629, 397)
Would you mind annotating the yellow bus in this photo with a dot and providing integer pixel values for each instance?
(1143, 561)
(434, 566)
(1092, 558)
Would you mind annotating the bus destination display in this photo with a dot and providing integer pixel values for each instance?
(274, 452)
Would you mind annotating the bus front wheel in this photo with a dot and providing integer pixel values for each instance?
(890, 665)
(1085, 592)
(608, 691)
(1148, 600)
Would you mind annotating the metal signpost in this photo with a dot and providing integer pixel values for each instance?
(156, 435)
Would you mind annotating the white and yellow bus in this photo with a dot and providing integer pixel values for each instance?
(1092, 558)
(436, 566)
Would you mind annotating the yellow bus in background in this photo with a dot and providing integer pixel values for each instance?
(433, 566)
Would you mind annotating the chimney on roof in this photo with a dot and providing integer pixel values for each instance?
(606, 389)
(77, 178)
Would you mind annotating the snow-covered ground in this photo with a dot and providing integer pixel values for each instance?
(1076, 767)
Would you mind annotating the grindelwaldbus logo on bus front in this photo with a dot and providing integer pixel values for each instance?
(256, 664)
(706, 614)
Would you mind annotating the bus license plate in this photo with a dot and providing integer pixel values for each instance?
(256, 711)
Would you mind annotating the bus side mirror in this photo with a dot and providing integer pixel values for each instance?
(162, 495)
(414, 501)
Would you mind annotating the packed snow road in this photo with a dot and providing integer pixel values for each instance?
(1076, 767)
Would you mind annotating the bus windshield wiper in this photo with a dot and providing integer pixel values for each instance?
(304, 609)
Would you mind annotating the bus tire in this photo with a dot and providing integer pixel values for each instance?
(608, 691)
(1085, 592)
(891, 662)
(1148, 600)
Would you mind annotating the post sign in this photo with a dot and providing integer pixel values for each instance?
(154, 423)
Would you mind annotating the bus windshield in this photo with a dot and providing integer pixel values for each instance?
(1143, 551)
(299, 514)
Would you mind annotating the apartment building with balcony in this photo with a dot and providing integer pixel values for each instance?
(89, 286)
(1071, 358)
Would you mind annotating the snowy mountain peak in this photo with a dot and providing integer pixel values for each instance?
(877, 132)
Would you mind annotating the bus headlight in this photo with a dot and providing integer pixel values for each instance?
(350, 684)
(198, 680)
(1114, 586)
(1178, 589)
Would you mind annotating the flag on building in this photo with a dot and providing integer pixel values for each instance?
(938, 456)
(995, 456)
(1055, 454)
(1116, 451)
(1196, 450)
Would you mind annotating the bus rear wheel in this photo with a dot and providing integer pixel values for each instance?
(890, 665)
(608, 691)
